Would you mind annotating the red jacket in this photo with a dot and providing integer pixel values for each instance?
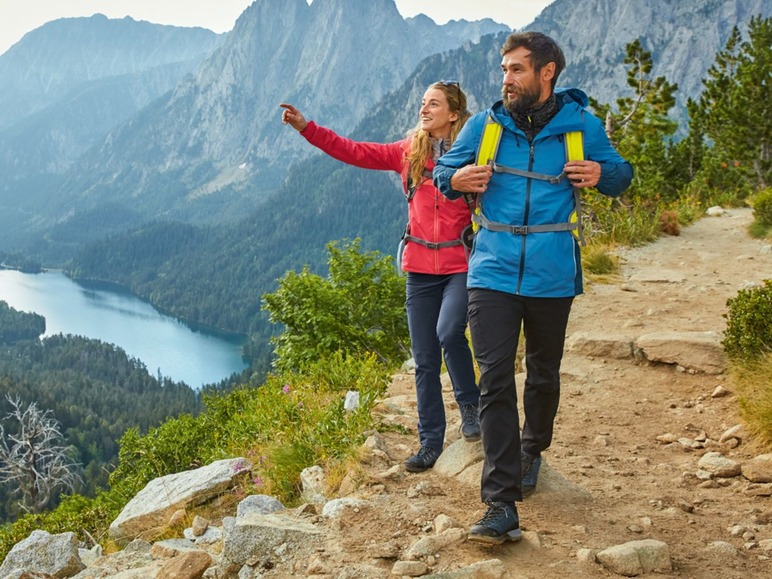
(431, 216)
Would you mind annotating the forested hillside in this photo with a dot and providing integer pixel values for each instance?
(93, 389)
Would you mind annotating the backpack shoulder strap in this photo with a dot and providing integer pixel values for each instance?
(489, 141)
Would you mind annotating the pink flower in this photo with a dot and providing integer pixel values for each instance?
(286, 389)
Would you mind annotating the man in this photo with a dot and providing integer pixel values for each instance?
(525, 266)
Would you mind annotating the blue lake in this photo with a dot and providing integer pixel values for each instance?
(162, 343)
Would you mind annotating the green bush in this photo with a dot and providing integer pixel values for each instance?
(357, 309)
(748, 331)
(762, 207)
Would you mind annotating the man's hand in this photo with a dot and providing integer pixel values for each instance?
(583, 173)
(471, 178)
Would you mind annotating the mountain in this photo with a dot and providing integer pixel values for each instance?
(50, 62)
(213, 147)
(68, 83)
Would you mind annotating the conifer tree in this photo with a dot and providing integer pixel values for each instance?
(641, 128)
(735, 110)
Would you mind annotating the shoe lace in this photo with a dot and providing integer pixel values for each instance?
(494, 512)
(425, 450)
(468, 413)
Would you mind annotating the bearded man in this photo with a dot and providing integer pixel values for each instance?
(525, 266)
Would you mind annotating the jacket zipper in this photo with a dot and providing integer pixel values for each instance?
(525, 219)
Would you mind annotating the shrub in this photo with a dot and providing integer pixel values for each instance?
(598, 261)
(748, 331)
(754, 397)
(762, 207)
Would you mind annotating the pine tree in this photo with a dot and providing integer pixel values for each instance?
(641, 129)
(735, 110)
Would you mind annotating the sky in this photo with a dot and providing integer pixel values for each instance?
(17, 17)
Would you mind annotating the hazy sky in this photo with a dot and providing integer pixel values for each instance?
(17, 17)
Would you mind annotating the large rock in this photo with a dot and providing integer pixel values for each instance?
(636, 558)
(758, 469)
(52, 555)
(698, 351)
(600, 345)
(253, 536)
(718, 465)
(149, 511)
(458, 456)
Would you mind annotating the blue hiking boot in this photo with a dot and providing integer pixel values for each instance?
(470, 422)
(530, 469)
(422, 460)
(499, 523)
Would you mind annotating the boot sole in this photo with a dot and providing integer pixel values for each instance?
(513, 536)
(409, 468)
(473, 438)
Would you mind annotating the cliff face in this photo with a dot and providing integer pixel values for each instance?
(683, 37)
(219, 131)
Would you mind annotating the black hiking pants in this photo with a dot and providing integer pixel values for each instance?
(495, 319)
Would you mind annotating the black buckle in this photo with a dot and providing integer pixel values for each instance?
(519, 229)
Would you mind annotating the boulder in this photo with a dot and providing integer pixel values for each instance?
(148, 513)
(697, 351)
(51, 555)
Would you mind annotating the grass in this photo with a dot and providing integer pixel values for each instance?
(752, 383)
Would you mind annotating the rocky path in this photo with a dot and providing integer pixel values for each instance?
(625, 463)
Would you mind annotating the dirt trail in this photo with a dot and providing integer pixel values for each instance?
(608, 480)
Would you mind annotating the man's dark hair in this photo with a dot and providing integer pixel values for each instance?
(543, 50)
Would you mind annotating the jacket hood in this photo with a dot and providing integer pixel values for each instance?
(572, 94)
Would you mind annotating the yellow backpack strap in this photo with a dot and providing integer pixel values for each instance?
(574, 146)
(489, 142)
(575, 152)
(486, 155)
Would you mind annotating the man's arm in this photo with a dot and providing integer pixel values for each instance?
(616, 174)
(455, 172)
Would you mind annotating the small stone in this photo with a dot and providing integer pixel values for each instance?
(685, 506)
(734, 432)
(409, 568)
(200, 525)
(178, 518)
(719, 392)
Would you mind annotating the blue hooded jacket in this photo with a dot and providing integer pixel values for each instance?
(543, 264)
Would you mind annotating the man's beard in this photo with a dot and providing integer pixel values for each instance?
(526, 100)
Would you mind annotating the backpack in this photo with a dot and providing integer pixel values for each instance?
(486, 155)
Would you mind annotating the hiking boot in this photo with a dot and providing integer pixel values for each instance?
(499, 523)
(470, 422)
(423, 459)
(530, 466)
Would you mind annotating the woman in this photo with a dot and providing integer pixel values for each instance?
(434, 257)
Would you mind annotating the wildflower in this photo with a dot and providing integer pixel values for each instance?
(257, 481)
(286, 389)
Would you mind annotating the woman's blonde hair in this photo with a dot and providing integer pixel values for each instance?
(421, 144)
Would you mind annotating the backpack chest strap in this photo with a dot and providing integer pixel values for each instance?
(528, 174)
(484, 222)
